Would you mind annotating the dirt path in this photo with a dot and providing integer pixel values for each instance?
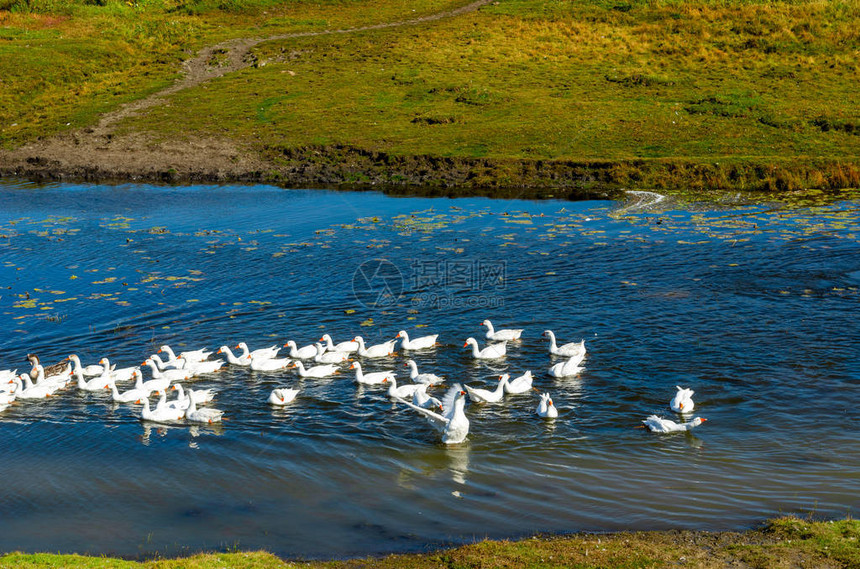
(95, 153)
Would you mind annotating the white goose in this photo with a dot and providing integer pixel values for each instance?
(567, 350)
(282, 395)
(303, 353)
(568, 367)
(491, 352)
(401, 391)
(98, 383)
(8, 384)
(203, 415)
(88, 371)
(421, 399)
(8, 375)
(545, 409)
(121, 374)
(199, 396)
(349, 347)
(452, 423)
(157, 385)
(232, 359)
(133, 395)
(683, 400)
(521, 384)
(479, 395)
(422, 343)
(500, 335)
(181, 403)
(8, 397)
(57, 381)
(199, 368)
(382, 350)
(25, 389)
(429, 378)
(176, 363)
(270, 364)
(168, 375)
(160, 414)
(261, 354)
(8, 388)
(659, 425)
(324, 357)
(374, 378)
(316, 371)
(191, 355)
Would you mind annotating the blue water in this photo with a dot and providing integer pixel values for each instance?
(753, 306)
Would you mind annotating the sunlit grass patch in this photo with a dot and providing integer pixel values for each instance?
(785, 542)
(546, 80)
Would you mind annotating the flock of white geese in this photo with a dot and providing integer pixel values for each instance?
(319, 360)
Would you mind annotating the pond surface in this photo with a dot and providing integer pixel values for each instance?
(755, 307)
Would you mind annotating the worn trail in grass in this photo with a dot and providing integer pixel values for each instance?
(102, 152)
(232, 55)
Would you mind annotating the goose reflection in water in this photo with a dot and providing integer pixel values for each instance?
(146, 437)
(458, 462)
(436, 463)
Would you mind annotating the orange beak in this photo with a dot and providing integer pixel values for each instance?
(466, 344)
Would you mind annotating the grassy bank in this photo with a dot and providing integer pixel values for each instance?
(741, 94)
(63, 63)
(782, 543)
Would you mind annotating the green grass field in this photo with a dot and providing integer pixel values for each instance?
(716, 90)
(783, 543)
(65, 62)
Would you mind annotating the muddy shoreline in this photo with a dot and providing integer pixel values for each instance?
(136, 159)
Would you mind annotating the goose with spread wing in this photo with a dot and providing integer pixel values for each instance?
(452, 422)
